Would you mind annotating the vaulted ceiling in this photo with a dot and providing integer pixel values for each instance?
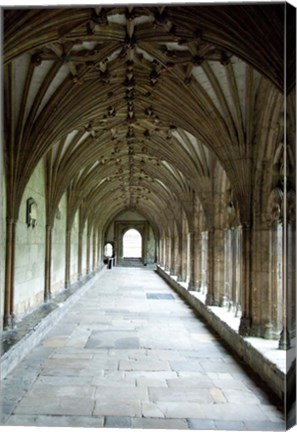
(134, 107)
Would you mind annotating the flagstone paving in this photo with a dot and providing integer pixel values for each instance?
(131, 354)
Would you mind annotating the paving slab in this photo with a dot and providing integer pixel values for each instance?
(197, 381)
(120, 408)
(233, 412)
(181, 409)
(183, 394)
(144, 365)
(202, 424)
(121, 394)
(118, 422)
(55, 421)
(122, 358)
(264, 426)
(73, 406)
(153, 423)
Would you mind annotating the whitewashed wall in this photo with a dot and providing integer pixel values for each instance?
(84, 251)
(58, 249)
(30, 249)
(2, 238)
(74, 249)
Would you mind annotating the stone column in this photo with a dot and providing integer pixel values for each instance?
(160, 252)
(228, 268)
(274, 298)
(94, 250)
(79, 257)
(285, 339)
(204, 260)
(167, 253)
(9, 274)
(180, 258)
(245, 321)
(177, 257)
(68, 258)
(198, 261)
(218, 266)
(291, 278)
(266, 282)
(210, 300)
(173, 257)
(194, 261)
(98, 250)
(88, 248)
(48, 263)
(183, 254)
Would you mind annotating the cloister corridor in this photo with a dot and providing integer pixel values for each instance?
(175, 122)
(130, 353)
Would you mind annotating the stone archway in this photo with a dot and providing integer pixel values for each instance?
(121, 228)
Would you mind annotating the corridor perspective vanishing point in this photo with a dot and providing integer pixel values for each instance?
(173, 126)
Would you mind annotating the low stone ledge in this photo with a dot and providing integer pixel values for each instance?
(15, 354)
(267, 370)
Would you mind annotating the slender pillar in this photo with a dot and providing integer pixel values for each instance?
(94, 250)
(179, 250)
(48, 263)
(99, 249)
(291, 277)
(219, 262)
(285, 340)
(9, 274)
(233, 266)
(172, 254)
(210, 269)
(168, 253)
(245, 321)
(198, 262)
(68, 259)
(88, 248)
(193, 268)
(79, 257)
(184, 255)
(175, 256)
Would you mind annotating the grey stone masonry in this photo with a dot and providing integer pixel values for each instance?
(125, 355)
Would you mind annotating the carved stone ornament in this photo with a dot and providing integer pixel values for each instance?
(291, 199)
(231, 211)
(31, 213)
(274, 206)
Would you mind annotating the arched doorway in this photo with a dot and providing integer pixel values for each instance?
(132, 244)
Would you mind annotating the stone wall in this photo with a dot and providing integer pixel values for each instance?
(151, 247)
(84, 251)
(30, 249)
(74, 249)
(2, 238)
(58, 248)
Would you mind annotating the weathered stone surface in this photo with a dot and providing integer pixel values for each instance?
(117, 422)
(56, 421)
(153, 423)
(144, 365)
(114, 387)
(182, 394)
(117, 408)
(69, 406)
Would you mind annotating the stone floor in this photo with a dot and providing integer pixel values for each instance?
(131, 354)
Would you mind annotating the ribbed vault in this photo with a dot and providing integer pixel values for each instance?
(133, 107)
